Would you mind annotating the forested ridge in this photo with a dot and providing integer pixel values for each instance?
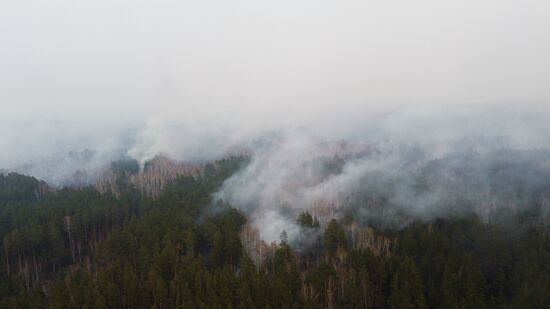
(79, 248)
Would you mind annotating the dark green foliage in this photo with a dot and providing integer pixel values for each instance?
(125, 166)
(16, 188)
(77, 248)
(334, 237)
(406, 289)
(306, 220)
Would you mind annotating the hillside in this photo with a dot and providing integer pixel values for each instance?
(179, 248)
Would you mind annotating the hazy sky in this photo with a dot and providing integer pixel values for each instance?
(266, 62)
(192, 79)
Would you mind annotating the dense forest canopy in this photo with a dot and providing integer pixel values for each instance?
(275, 154)
(76, 247)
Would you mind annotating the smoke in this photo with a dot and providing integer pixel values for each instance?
(65, 153)
(193, 142)
(363, 106)
(390, 168)
(56, 151)
(416, 165)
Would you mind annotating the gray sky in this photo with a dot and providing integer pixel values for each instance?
(266, 62)
(191, 79)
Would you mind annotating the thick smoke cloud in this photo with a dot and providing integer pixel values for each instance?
(55, 150)
(390, 168)
(194, 142)
(413, 105)
(406, 166)
(58, 152)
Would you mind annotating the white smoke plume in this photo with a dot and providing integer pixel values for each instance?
(341, 104)
(65, 152)
(417, 165)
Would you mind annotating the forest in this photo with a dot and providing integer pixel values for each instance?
(80, 247)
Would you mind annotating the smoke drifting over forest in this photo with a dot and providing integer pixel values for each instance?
(282, 154)
(405, 168)
(339, 107)
(391, 169)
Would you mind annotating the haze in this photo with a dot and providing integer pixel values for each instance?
(258, 62)
(444, 92)
(84, 74)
